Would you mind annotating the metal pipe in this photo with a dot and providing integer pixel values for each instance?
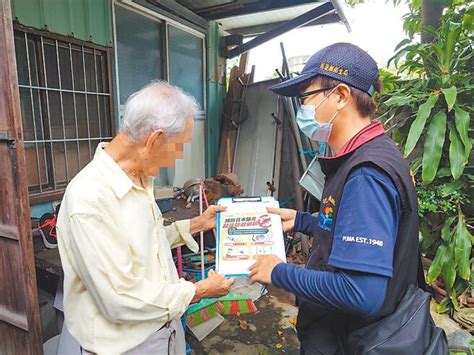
(201, 233)
(179, 257)
(292, 107)
(33, 115)
(49, 115)
(299, 203)
(87, 106)
(296, 133)
(62, 111)
(75, 109)
(296, 178)
(278, 149)
(97, 96)
(206, 202)
(47, 172)
(285, 67)
(64, 90)
(244, 88)
(70, 140)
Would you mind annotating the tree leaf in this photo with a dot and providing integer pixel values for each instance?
(416, 165)
(463, 249)
(450, 96)
(401, 44)
(435, 268)
(462, 285)
(443, 306)
(454, 300)
(396, 101)
(419, 123)
(427, 238)
(450, 42)
(462, 120)
(439, 52)
(443, 172)
(446, 230)
(434, 146)
(456, 154)
(448, 189)
(448, 269)
(398, 55)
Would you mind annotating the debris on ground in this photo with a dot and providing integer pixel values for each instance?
(465, 317)
(243, 324)
(255, 333)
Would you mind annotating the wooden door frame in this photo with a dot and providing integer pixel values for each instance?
(20, 325)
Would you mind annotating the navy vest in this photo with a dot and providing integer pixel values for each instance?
(324, 331)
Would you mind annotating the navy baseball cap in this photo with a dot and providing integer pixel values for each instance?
(341, 61)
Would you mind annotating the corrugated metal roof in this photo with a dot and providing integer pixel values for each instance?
(206, 5)
(253, 17)
(265, 17)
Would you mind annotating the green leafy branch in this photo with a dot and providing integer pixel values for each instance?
(427, 107)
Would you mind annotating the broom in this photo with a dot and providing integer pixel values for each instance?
(235, 304)
(231, 304)
(202, 311)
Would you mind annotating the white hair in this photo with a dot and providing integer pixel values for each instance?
(158, 105)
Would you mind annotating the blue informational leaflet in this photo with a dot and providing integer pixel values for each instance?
(246, 230)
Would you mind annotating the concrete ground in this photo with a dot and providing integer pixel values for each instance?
(268, 331)
(271, 330)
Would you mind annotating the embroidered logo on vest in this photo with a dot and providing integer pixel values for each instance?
(326, 214)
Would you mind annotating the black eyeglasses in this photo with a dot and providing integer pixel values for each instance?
(309, 93)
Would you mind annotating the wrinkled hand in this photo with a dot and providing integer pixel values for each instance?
(215, 285)
(287, 217)
(207, 220)
(261, 271)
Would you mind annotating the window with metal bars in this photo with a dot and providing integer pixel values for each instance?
(66, 105)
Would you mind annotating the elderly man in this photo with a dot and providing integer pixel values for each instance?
(122, 293)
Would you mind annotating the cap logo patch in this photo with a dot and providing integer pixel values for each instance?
(334, 69)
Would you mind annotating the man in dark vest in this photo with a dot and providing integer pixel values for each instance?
(365, 239)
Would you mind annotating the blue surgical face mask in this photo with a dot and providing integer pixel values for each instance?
(309, 125)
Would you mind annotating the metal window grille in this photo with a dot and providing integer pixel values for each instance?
(66, 104)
